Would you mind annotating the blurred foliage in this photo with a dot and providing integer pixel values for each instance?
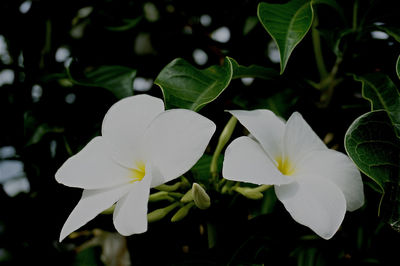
(47, 117)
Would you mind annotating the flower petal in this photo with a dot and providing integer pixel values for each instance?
(130, 214)
(266, 127)
(125, 123)
(90, 205)
(246, 161)
(92, 168)
(339, 169)
(176, 140)
(315, 203)
(300, 139)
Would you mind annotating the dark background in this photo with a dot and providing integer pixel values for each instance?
(45, 130)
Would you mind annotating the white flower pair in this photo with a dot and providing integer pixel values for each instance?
(143, 146)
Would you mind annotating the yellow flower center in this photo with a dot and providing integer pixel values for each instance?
(285, 166)
(139, 172)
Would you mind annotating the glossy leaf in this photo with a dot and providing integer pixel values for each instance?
(379, 89)
(373, 146)
(287, 24)
(253, 71)
(185, 86)
(117, 79)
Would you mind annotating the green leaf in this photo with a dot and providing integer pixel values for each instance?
(89, 256)
(253, 71)
(391, 31)
(117, 79)
(249, 24)
(129, 24)
(185, 86)
(372, 144)
(379, 89)
(41, 131)
(201, 170)
(287, 24)
(374, 147)
(398, 67)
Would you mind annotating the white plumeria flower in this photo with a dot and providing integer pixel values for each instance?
(315, 184)
(141, 146)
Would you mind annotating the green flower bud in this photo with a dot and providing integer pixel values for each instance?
(249, 193)
(158, 196)
(182, 212)
(188, 197)
(109, 210)
(158, 214)
(200, 197)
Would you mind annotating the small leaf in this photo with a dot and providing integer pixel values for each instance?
(117, 79)
(287, 24)
(41, 131)
(252, 71)
(185, 86)
(379, 89)
(373, 146)
(249, 24)
(129, 24)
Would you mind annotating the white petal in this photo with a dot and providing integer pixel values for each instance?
(130, 214)
(246, 161)
(300, 139)
(176, 140)
(90, 205)
(125, 123)
(339, 169)
(92, 168)
(266, 127)
(315, 203)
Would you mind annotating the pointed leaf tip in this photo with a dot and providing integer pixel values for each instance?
(287, 24)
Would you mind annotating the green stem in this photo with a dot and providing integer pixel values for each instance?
(47, 45)
(223, 139)
(323, 73)
(355, 14)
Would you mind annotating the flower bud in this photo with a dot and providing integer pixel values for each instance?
(158, 196)
(188, 197)
(158, 214)
(200, 197)
(250, 193)
(182, 212)
(109, 210)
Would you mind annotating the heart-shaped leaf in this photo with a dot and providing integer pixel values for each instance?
(185, 86)
(287, 24)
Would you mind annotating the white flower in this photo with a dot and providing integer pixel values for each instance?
(315, 184)
(141, 146)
